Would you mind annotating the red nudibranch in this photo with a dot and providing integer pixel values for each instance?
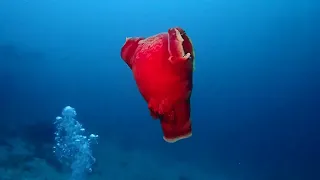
(162, 67)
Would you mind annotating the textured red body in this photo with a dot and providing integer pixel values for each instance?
(162, 66)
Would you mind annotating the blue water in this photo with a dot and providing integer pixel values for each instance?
(255, 103)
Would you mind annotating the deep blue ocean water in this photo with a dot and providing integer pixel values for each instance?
(255, 103)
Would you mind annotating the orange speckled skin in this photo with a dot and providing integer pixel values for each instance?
(162, 66)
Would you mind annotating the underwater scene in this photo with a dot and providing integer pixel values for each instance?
(159, 90)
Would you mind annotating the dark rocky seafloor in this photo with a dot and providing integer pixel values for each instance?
(26, 154)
